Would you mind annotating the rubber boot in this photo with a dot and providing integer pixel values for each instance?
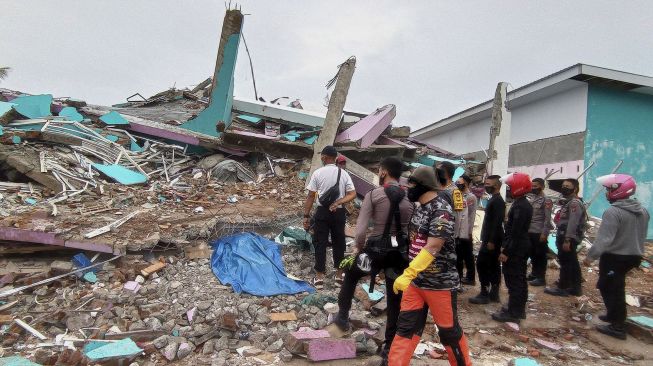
(481, 298)
(494, 294)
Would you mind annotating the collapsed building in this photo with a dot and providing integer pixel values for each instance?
(138, 190)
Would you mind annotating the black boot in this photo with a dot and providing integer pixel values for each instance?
(519, 314)
(481, 298)
(575, 292)
(556, 291)
(537, 282)
(613, 330)
(342, 322)
(604, 318)
(494, 293)
(505, 317)
(531, 277)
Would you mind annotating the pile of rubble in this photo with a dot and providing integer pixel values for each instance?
(172, 308)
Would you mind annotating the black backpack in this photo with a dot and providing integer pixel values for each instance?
(332, 194)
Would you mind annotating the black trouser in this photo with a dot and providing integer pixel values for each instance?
(329, 222)
(394, 262)
(570, 274)
(465, 258)
(488, 266)
(612, 283)
(514, 273)
(537, 253)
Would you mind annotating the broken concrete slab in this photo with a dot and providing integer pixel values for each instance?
(368, 129)
(285, 115)
(327, 349)
(295, 340)
(71, 114)
(265, 144)
(29, 164)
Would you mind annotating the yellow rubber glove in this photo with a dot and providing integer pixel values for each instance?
(417, 265)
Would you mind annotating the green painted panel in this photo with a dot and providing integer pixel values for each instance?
(33, 106)
(114, 118)
(71, 114)
(619, 127)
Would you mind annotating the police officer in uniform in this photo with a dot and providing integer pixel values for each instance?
(538, 233)
(570, 227)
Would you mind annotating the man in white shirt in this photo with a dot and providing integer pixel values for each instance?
(330, 213)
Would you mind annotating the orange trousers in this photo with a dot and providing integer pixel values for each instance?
(412, 320)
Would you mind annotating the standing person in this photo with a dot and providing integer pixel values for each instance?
(390, 211)
(431, 278)
(514, 253)
(463, 232)
(619, 246)
(569, 234)
(487, 263)
(445, 172)
(538, 233)
(333, 187)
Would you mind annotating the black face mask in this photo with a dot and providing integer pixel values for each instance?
(414, 193)
(442, 176)
(566, 191)
(536, 191)
(489, 189)
(460, 186)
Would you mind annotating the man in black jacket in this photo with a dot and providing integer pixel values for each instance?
(487, 264)
(514, 253)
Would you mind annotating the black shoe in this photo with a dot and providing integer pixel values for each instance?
(342, 323)
(556, 292)
(505, 317)
(504, 309)
(604, 318)
(469, 282)
(494, 294)
(531, 277)
(576, 293)
(480, 299)
(612, 331)
(538, 282)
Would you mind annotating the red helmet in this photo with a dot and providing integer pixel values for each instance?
(619, 186)
(519, 183)
(341, 159)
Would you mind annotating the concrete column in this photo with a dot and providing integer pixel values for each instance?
(334, 112)
(216, 117)
(499, 135)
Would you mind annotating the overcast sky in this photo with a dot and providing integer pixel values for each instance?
(430, 58)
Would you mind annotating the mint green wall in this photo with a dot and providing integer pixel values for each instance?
(619, 127)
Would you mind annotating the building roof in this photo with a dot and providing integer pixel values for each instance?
(552, 84)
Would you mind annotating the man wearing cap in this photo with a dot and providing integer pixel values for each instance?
(431, 278)
(332, 187)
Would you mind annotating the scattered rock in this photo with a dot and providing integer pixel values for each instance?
(275, 347)
(285, 355)
(170, 351)
(161, 341)
(184, 350)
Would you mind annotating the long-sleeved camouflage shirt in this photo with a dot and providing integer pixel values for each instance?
(542, 208)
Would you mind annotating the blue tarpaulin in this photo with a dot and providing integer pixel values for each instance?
(250, 263)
